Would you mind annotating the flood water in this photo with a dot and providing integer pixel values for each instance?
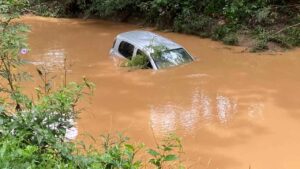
(233, 109)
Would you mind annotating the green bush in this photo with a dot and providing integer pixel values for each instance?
(46, 8)
(290, 37)
(13, 40)
(221, 31)
(218, 19)
(110, 7)
(230, 39)
(286, 38)
(189, 22)
(164, 152)
(261, 36)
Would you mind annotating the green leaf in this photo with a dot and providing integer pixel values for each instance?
(170, 157)
(167, 148)
(153, 152)
(129, 147)
(137, 164)
(2, 109)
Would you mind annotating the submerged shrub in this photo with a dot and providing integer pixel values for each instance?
(138, 61)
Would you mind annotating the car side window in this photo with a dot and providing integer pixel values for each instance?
(126, 49)
(139, 52)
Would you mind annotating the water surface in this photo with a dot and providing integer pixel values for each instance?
(233, 109)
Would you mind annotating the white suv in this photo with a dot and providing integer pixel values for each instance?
(131, 44)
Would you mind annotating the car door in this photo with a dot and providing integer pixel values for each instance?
(151, 64)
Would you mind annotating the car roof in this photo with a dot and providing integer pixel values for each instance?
(144, 39)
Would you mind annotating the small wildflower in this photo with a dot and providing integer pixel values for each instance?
(24, 51)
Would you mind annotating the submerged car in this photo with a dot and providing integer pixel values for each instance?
(160, 52)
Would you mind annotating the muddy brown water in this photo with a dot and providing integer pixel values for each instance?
(233, 109)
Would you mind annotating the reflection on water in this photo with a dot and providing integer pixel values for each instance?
(205, 103)
(163, 118)
(52, 59)
(225, 108)
(203, 109)
(255, 111)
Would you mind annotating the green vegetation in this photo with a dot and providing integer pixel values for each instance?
(46, 8)
(137, 62)
(141, 61)
(223, 20)
(163, 153)
(33, 131)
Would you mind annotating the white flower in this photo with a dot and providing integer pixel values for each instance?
(24, 51)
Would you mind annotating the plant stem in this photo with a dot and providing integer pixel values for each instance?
(286, 28)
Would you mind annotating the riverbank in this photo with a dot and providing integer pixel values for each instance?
(256, 25)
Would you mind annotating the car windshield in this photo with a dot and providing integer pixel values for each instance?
(171, 58)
